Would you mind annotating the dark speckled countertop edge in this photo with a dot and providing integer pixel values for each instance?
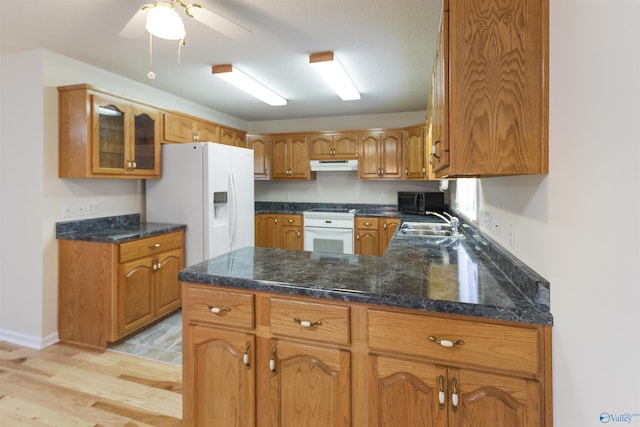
(112, 229)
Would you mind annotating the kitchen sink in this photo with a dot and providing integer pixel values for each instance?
(426, 229)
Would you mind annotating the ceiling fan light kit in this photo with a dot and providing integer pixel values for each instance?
(163, 21)
(332, 72)
(244, 82)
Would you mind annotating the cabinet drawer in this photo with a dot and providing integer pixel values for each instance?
(291, 219)
(485, 344)
(150, 245)
(333, 321)
(220, 307)
(366, 223)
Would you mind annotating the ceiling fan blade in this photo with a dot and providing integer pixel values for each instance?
(219, 23)
(135, 27)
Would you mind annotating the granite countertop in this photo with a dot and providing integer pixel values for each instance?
(468, 275)
(298, 208)
(114, 229)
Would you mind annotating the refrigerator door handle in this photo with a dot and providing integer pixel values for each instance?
(233, 209)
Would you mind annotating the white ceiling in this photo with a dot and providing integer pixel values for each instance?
(385, 45)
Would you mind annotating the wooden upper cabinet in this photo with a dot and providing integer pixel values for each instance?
(102, 135)
(261, 146)
(494, 76)
(380, 155)
(290, 157)
(414, 153)
(338, 146)
(229, 136)
(182, 128)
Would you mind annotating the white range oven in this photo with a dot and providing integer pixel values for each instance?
(329, 230)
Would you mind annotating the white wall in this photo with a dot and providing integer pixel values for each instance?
(579, 226)
(32, 195)
(337, 187)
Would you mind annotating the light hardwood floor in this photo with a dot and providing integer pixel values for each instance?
(63, 385)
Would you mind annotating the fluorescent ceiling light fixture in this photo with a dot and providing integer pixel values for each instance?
(163, 21)
(330, 70)
(242, 81)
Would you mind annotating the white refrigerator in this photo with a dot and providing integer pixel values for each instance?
(208, 187)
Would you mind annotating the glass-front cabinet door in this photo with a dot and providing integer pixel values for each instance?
(145, 149)
(125, 138)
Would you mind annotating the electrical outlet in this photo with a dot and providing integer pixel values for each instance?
(496, 226)
(67, 210)
(93, 208)
(81, 209)
(487, 220)
(382, 197)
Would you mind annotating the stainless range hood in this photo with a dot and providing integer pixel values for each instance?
(334, 165)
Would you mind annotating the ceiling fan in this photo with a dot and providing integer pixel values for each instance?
(162, 20)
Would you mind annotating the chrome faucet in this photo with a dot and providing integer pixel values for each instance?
(451, 220)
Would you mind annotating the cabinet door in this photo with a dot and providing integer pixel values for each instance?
(145, 144)
(292, 238)
(223, 389)
(345, 146)
(368, 165)
(366, 242)
(310, 386)
(178, 128)
(414, 159)
(109, 135)
(321, 147)
(391, 155)
(167, 287)
(268, 236)
(135, 295)
(406, 393)
(387, 229)
(280, 157)
(227, 136)
(207, 132)
(261, 155)
(299, 160)
(439, 154)
(488, 400)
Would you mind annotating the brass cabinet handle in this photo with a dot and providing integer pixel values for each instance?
(245, 355)
(454, 394)
(272, 360)
(306, 323)
(154, 246)
(358, 236)
(298, 234)
(446, 343)
(218, 310)
(367, 223)
(441, 395)
(384, 225)
(289, 221)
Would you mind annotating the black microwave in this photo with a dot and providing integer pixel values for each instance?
(415, 202)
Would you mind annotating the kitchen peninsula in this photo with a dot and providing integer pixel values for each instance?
(450, 329)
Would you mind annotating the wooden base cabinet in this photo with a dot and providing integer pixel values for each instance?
(279, 231)
(108, 291)
(309, 385)
(256, 358)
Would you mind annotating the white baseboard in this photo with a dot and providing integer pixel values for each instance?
(30, 341)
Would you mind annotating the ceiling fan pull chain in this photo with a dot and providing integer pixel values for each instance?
(151, 75)
(180, 44)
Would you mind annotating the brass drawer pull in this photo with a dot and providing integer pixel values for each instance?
(217, 310)
(446, 343)
(245, 355)
(154, 246)
(306, 323)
